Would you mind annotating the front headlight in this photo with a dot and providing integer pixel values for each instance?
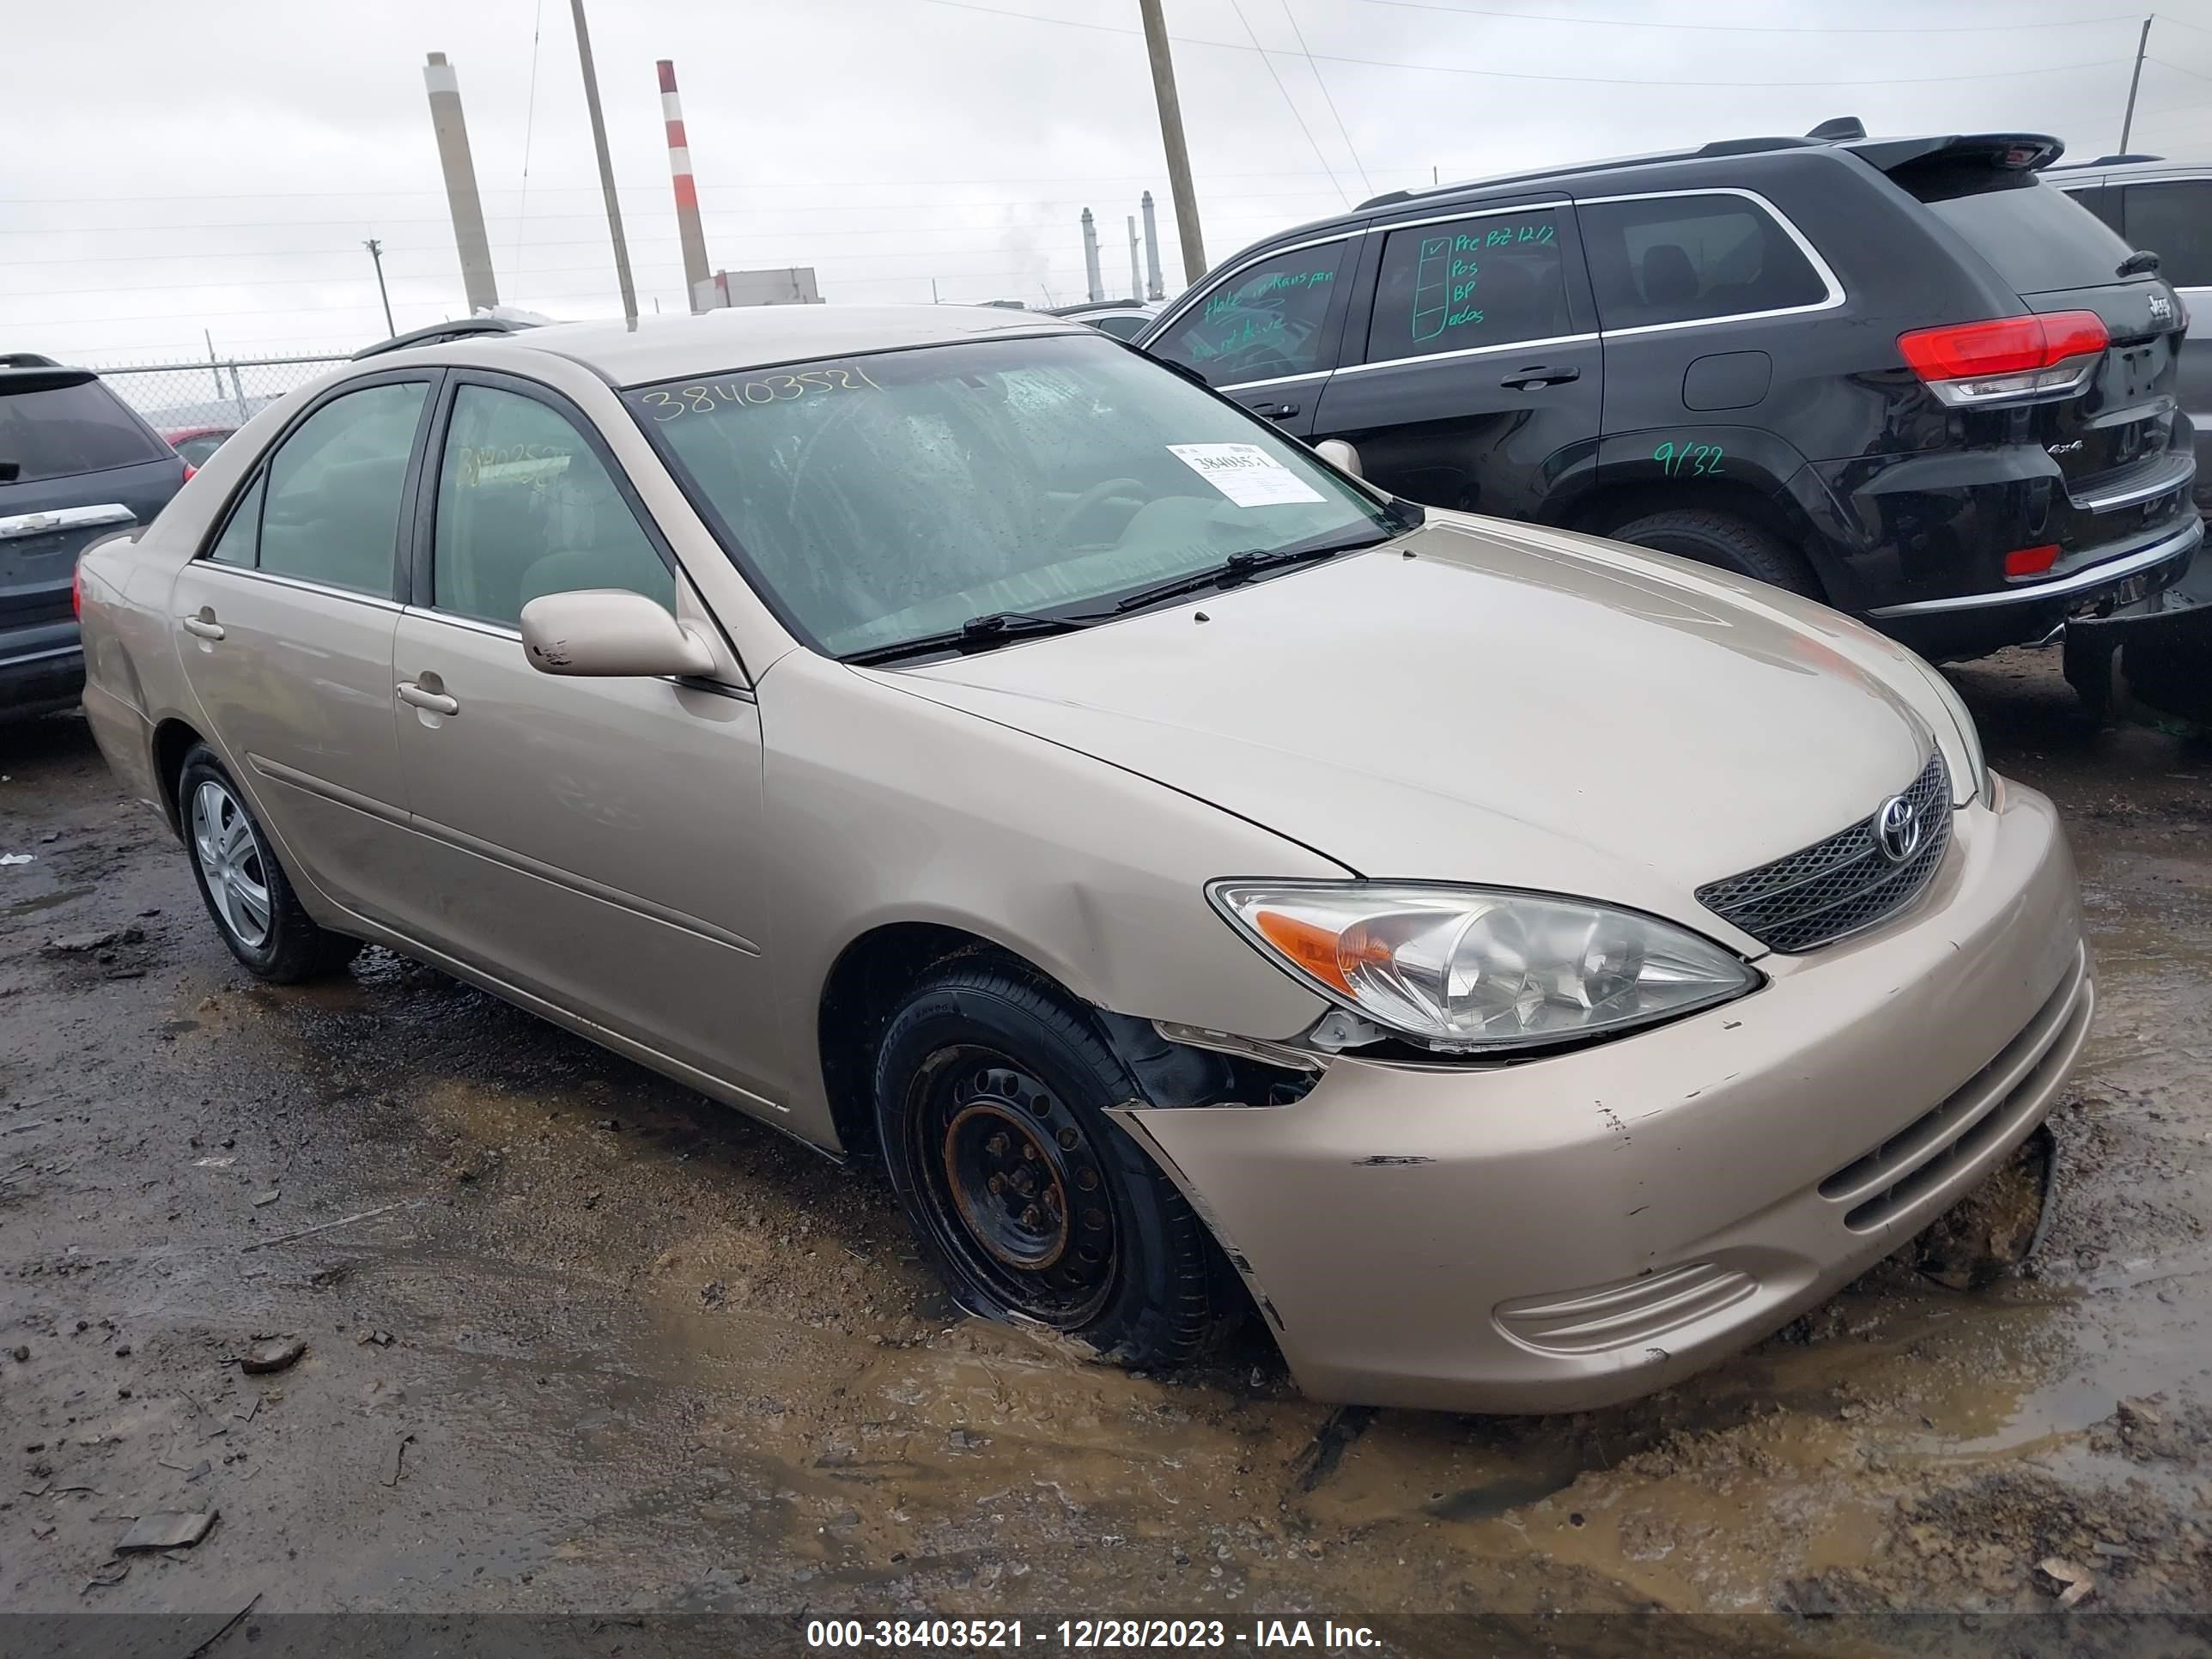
(1969, 734)
(1468, 969)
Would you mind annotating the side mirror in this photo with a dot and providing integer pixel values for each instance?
(1341, 455)
(608, 633)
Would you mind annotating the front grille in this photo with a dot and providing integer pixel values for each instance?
(1843, 884)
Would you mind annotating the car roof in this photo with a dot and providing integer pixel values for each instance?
(1092, 307)
(731, 339)
(1845, 135)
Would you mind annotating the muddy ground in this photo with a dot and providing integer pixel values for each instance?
(600, 1345)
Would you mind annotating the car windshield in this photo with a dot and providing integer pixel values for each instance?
(880, 499)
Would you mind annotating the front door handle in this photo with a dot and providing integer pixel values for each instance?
(1537, 374)
(1274, 412)
(204, 626)
(436, 702)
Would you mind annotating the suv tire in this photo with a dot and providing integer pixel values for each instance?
(1032, 1206)
(1727, 542)
(244, 887)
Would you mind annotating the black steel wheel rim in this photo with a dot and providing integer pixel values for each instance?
(1015, 1188)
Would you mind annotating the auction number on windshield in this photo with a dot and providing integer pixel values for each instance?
(707, 397)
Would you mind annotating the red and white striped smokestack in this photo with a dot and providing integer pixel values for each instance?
(687, 227)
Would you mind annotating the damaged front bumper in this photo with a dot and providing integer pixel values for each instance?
(1567, 1232)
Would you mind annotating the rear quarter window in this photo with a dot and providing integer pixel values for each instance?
(1689, 258)
(58, 432)
(2034, 235)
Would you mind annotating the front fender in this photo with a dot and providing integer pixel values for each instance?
(887, 807)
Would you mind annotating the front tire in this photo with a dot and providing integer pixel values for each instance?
(1723, 540)
(244, 887)
(1033, 1206)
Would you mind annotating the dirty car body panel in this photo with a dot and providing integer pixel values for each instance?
(688, 865)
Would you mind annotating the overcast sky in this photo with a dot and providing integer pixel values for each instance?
(167, 169)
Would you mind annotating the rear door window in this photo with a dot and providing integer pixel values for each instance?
(2173, 220)
(58, 432)
(1692, 258)
(335, 489)
(2034, 235)
(1482, 282)
(1267, 320)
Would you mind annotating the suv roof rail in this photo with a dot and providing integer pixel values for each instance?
(26, 360)
(1842, 127)
(466, 328)
(2108, 162)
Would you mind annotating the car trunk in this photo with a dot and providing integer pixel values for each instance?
(75, 465)
(2123, 451)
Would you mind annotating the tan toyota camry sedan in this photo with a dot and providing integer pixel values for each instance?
(1525, 969)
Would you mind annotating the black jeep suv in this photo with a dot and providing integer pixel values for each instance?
(76, 464)
(1905, 376)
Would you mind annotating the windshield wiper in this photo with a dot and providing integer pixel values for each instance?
(977, 634)
(1243, 567)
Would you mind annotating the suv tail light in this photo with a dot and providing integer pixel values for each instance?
(76, 590)
(1969, 364)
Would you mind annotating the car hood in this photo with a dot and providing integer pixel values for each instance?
(1491, 702)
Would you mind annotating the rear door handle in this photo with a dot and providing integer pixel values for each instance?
(1536, 375)
(204, 626)
(1274, 412)
(436, 702)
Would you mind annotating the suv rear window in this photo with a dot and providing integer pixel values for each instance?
(2035, 236)
(56, 431)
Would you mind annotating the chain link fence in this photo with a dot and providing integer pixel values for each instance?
(176, 397)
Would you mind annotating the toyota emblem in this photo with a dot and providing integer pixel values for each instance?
(1897, 829)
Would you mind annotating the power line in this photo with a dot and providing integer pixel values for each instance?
(1237, 6)
(372, 220)
(529, 120)
(1343, 131)
(1575, 80)
(2007, 25)
(2164, 64)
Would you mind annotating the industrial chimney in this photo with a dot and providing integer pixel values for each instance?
(452, 132)
(687, 227)
(1097, 289)
(1154, 287)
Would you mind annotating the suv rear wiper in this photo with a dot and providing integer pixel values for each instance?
(2136, 264)
(976, 634)
(1243, 567)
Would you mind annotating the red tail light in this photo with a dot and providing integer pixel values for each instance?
(76, 590)
(189, 471)
(2030, 561)
(2013, 357)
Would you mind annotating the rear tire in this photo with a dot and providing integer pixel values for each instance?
(1033, 1206)
(1730, 544)
(242, 884)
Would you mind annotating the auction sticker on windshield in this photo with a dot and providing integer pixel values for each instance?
(1246, 473)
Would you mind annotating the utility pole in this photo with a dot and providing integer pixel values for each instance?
(2128, 121)
(376, 255)
(1163, 94)
(606, 167)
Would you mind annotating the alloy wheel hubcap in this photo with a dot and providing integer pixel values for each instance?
(231, 862)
